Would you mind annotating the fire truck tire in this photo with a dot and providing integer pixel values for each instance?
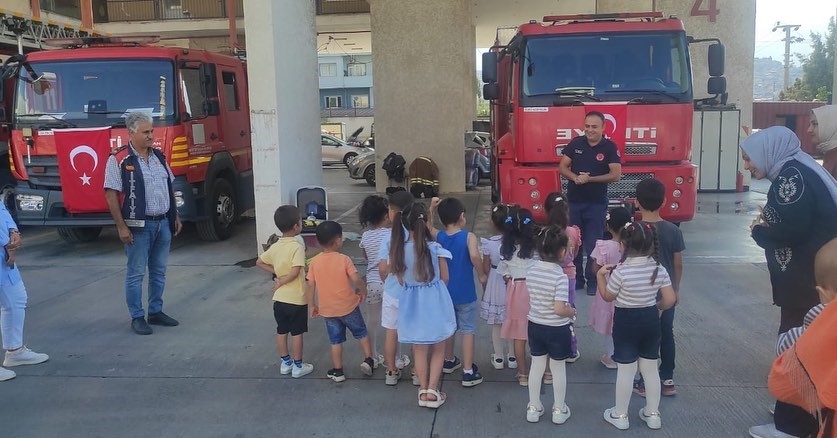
(221, 208)
(79, 234)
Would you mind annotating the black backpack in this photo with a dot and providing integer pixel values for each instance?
(394, 166)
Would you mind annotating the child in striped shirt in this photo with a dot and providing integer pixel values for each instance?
(549, 327)
(634, 284)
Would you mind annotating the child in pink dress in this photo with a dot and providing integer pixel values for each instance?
(517, 250)
(493, 304)
(558, 214)
(607, 252)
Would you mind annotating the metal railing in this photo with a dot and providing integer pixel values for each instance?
(158, 10)
(327, 7)
(347, 112)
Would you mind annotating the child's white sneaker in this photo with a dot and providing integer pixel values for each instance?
(378, 360)
(652, 419)
(23, 356)
(303, 370)
(285, 368)
(533, 414)
(512, 362)
(6, 374)
(402, 361)
(497, 362)
(618, 421)
(559, 415)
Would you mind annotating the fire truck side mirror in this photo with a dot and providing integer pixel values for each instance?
(489, 67)
(490, 91)
(716, 85)
(716, 59)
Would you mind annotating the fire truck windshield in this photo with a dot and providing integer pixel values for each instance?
(92, 93)
(612, 67)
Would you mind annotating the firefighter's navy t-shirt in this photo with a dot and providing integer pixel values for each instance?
(595, 160)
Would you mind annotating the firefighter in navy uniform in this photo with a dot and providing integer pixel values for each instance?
(138, 190)
(590, 162)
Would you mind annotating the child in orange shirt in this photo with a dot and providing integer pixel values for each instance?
(333, 280)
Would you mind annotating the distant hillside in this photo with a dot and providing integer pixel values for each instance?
(768, 76)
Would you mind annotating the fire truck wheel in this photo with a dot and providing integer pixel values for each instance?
(79, 234)
(221, 209)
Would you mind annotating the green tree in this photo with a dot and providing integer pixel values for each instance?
(817, 68)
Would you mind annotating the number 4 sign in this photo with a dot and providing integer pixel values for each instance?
(711, 12)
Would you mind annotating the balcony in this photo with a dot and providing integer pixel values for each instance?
(162, 10)
(347, 112)
(329, 7)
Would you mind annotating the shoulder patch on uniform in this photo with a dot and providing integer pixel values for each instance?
(789, 186)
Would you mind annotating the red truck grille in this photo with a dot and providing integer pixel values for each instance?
(625, 188)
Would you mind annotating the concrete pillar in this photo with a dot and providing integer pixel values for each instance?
(735, 25)
(424, 54)
(284, 108)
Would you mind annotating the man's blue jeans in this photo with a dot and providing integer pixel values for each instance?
(150, 251)
(590, 218)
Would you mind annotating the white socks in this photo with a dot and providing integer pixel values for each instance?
(651, 376)
(624, 386)
(559, 381)
(536, 372)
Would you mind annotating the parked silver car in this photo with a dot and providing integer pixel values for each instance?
(363, 167)
(336, 151)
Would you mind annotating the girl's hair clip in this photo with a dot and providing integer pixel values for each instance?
(527, 221)
(508, 219)
(627, 225)
(495, 209)
(421, 217)
(607, 217)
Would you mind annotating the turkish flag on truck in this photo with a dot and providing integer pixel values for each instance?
(82, 157)
(616, 123)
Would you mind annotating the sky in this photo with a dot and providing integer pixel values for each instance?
(811, 15)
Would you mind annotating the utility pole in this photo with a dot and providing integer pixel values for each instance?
(788, 28)
(834, 71)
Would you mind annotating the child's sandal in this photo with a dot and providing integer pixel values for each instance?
(440, 399)
(422, 403)
(523, 379)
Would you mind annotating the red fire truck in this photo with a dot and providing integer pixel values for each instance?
(633, 67)
(198, 103)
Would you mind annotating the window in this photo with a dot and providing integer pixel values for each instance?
(328, 69)
(190, 79)
(86, 92)
(326, 141)
(230, 91)
(361, 101)
(334, 101)
(67, 8)
(356, 69)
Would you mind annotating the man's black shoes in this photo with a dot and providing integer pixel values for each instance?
(141, 327)
(161, 318)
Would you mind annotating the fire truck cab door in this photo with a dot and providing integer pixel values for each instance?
(201, 109)
(235, 118)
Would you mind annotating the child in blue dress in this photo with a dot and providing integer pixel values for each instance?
(425, 311)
